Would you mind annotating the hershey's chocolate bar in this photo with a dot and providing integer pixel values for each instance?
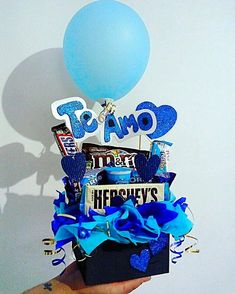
(99, 196)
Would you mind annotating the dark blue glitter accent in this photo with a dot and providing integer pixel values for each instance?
(157, 246)
(75, 167)
(146, 168)
(140, 262)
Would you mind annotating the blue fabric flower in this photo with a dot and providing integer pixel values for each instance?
(158, 210)
(131, 225)
(181, 225)
(123, 224)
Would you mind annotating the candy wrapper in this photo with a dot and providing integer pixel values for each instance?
(64, 140)
(100, 156)
(98, 196)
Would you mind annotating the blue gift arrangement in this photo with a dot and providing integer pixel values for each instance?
(119, 217)
(117, 208)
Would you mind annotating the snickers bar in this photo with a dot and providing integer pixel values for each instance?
(65, 140)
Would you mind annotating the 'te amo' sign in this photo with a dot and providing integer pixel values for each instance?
(146, 119)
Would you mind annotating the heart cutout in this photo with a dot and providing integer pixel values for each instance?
(146, 168)
(166, 117)
(157, 245)
(140, 262)
(74, 167)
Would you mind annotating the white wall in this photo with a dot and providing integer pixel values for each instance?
(191, 67)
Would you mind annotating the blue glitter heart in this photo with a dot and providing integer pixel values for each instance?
(157, 246)
(166, 117)
(75, 167)
(146, 168)
(140, 262)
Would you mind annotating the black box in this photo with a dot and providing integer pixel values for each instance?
(110, 262)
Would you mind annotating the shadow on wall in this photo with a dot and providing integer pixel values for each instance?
(31, 88)
(24, 164)
(29, 91)
(25, 222)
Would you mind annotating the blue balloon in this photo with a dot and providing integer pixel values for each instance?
(106, 49)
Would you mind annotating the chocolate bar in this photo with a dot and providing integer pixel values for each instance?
(64, 139)
(101, 156)
(98, 196)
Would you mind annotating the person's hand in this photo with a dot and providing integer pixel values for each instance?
(71, 282)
